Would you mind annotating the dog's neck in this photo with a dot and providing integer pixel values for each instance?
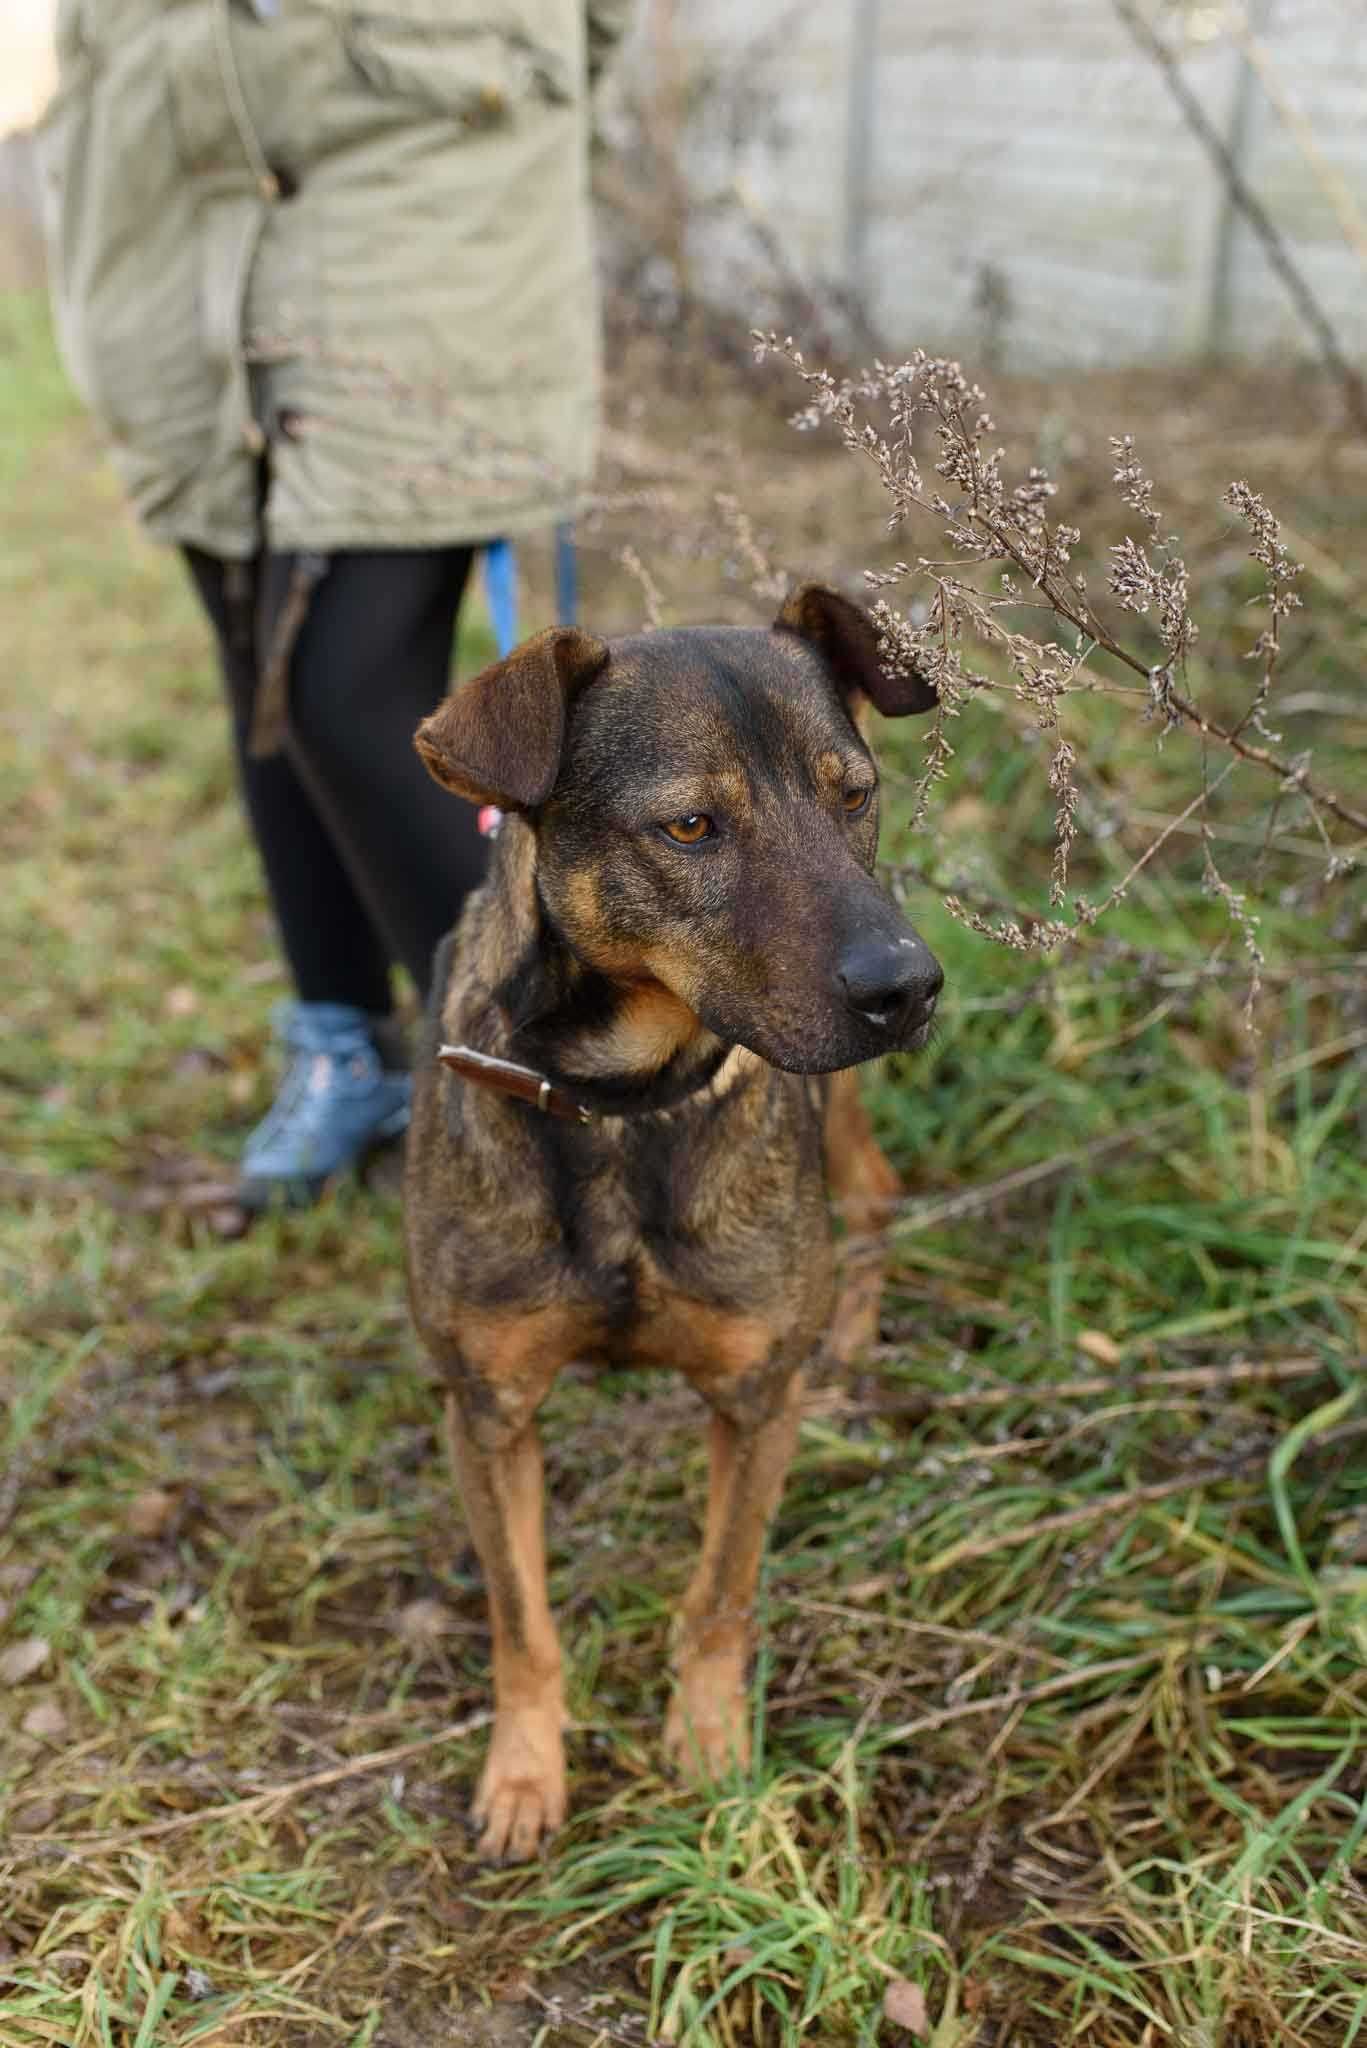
(619, 1045)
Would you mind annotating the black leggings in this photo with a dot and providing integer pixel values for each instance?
(366, 858)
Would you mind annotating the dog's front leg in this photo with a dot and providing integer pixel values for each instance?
(750, 1444)
(497, 1456)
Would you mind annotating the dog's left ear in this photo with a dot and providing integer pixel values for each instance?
(498, 738)
(844, 636)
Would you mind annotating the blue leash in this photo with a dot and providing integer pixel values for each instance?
(566, 575)
(500, 586)
(500, 593)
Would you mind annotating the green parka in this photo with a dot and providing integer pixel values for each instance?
(356, 236)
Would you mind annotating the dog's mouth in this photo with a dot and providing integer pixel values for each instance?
(911, 1038)
(848, 1040)
(920, 1037)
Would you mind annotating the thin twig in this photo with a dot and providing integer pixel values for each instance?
(1330, 179)
(1090, 1511)
(649, 588)
(1067, 606)
(1018, 1696)
(1184, 1379)
(1253, 210)
(1202, 797)
(1003, 1645)
(930, 1215)
(560, 2015)
(276, 1796)
(1103, 1767)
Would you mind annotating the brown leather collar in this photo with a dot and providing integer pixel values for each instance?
(524, 1084)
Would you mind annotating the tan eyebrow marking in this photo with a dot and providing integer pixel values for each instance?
(724, 788)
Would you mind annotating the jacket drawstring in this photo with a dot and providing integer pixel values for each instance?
(267, 182)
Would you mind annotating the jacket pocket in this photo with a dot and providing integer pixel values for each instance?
(479, 76)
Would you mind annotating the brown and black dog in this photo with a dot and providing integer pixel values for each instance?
(680, 937)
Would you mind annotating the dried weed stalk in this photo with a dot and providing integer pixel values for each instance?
(651, 598)
(991, 521)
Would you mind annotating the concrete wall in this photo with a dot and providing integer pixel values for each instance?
(1015, 175)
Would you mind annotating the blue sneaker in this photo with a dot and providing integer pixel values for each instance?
(336, 1101)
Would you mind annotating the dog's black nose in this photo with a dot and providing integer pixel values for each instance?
(887, 979)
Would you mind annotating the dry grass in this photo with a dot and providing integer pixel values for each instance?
(1066, 1610)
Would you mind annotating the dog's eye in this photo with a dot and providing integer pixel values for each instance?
(857, 800)
(688, 831)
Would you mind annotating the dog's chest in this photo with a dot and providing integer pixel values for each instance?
(719, 1209)
(651, 1240)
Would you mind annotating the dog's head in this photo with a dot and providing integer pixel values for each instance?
(706, 817)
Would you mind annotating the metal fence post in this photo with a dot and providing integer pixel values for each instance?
(861, 109)
(1220, 317)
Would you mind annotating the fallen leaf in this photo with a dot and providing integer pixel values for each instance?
(46, 1721)
(228, 1220)
(904, 2003)
(870, 1589)
(150, 1511)
(33, 1819)
(197, 1060)
(1096, 1344)
(423, 1622)
(205, 1194)
(451, 1912)
(22, 1659)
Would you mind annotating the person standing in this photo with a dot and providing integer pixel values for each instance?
(324, 273)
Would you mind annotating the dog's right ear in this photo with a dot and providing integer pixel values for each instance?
(497, 739)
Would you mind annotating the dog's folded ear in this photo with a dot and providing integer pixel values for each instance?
(845, 636)
(497, 739)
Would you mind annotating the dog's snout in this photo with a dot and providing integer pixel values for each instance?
(885, 980)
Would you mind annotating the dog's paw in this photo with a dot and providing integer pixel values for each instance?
(521, 1797)
(707, 1729)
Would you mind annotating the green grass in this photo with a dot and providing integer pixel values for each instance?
(1065, 1615)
